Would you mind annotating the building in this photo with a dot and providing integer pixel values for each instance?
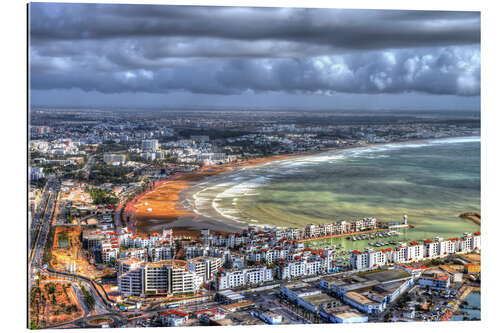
(268, 317)
(204, 266)
(368, 259)
(36, 173)
(131, 283)
(228, 297)
(435, 279)
(149, 145)
(363, 303)
(472, 268)
(243, 276)
(165, 277)
(298, 268)
(173, 318)
(348, 317)
(115, 159)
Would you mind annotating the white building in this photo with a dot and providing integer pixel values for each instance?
(206, 267)
(241, 277)
(149, 145)
(115, 159)
(36, 173)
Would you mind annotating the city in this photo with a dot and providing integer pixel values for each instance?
(195, 166)
(85, 173)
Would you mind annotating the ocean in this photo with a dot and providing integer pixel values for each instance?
(430, 181)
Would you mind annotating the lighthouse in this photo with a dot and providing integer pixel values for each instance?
(405, 219)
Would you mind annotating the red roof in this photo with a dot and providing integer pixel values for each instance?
(477, 233)
(427, 241)
(355, 252)
(414, 243)
(176, 312)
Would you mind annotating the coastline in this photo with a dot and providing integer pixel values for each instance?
(164, 201)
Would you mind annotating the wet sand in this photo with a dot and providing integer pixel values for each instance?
(159, 208)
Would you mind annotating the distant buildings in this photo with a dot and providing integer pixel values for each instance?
(115, 159)
(149, 145)
(36, 173)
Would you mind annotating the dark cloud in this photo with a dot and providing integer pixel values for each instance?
(231, 50)
(336, 28)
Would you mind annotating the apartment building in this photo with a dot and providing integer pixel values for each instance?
(240, 277)
(164, 277)
(206, 267)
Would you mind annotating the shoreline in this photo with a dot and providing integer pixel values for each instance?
(164, 200)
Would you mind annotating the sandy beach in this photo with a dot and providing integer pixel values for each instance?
(162, 207)
(159, 208)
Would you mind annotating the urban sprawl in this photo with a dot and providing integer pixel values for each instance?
(90, 266)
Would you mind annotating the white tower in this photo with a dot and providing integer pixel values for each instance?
(405, 219)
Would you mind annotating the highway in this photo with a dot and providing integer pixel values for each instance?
(41, 225)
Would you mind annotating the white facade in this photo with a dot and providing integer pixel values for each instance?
(149, 145)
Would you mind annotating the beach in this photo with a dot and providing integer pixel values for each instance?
(160, 208)
(380, 180)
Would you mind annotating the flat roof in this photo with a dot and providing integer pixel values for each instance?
(360, 285)
(318, 299)
(358, 298)
(385, 275)
(348, 315)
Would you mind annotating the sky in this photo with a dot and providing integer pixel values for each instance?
(97, 55)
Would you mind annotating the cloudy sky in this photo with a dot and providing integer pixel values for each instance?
(171, 56)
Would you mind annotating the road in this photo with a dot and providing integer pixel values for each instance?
(41, 225)
(88, 166)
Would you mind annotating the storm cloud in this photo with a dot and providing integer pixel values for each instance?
(230, 50)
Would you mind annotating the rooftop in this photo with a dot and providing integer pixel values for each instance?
(348, 315)
(316, 300)
(386, 275)
(358, 298)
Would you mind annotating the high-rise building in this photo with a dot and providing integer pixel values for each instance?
(149, 145)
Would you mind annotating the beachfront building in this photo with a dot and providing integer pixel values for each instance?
(408, 253)
(414, 251)
(369, 259)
